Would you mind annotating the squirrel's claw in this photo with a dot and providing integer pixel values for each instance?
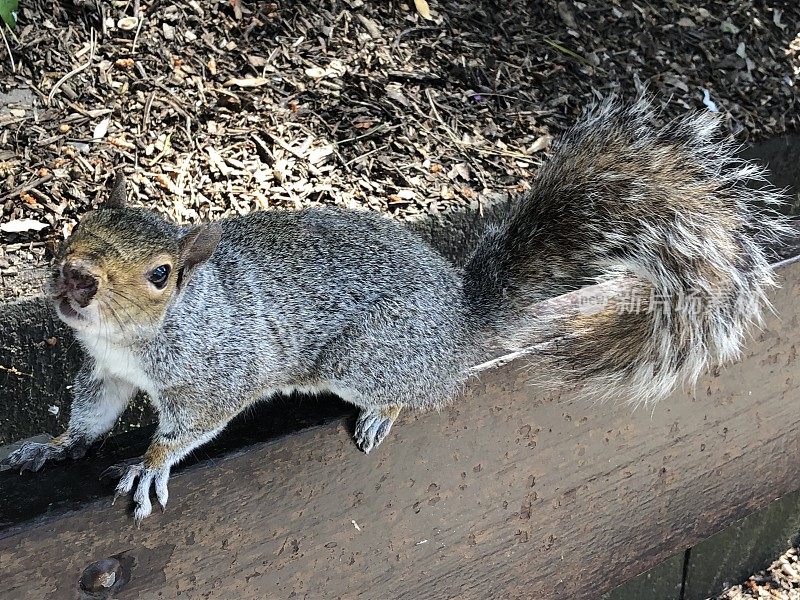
(162, 493)
(117, 470)
(32, 456)
(148, 477)
(372, 427)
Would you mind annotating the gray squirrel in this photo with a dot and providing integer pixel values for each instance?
(210, 319)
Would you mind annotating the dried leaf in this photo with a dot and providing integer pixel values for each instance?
(423, 9)
(256, 61)
(102, 129)
(316, 72)
(777, 13)
(396, 95)
(336, 67)
(247, 82)
(218, 161)
(318, 154)
(371, 26)
(468, 193)
(460, 170)
(565, 12)
(165, 182)
(128, 23)
(727, 26)
(676, 82)
(542, 143)
(22, 225)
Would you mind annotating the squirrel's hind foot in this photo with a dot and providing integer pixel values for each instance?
(131, 470)
(373, 425)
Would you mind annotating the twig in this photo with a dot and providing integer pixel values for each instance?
(179, 108)
(8, 48)
(377, 129)
(138, 29)
(565, 50)
(286, 146)
(304, 157)
(360, 156)
(164, 150)
(85, 113)
(146, 116)
(420, 77)
(453, 138)
(180, 181)
(334, 144)
(74, 71)
(14, 371)
(410, 30)
(27, 186)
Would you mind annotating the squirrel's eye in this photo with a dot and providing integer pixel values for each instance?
(158, 276)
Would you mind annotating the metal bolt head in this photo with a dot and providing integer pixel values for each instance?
(100, 576)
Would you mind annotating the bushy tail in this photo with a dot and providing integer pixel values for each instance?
(671, 222)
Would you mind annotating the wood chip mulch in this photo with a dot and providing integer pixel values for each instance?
(780, 581)
(218, 108)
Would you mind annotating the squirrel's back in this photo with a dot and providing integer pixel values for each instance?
(316, 292)
(335, 260)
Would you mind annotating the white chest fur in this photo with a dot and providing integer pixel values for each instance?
(120, 362)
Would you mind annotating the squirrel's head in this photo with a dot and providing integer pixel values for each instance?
(117, 273)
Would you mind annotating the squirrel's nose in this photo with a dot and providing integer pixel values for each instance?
(80, 284)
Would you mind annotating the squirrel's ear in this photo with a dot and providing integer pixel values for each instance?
(119, 193)
(199, 244)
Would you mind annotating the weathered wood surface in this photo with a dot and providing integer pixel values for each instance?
(511, 493)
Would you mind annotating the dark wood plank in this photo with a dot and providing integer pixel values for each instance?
(731, 556)
(663, 582)
(510, 493)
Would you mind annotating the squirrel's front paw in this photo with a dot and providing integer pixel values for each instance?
(129, 472)
(33, 455)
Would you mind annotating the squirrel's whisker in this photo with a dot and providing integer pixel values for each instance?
(132, 301)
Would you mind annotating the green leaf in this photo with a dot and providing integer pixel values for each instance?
(8, 11)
